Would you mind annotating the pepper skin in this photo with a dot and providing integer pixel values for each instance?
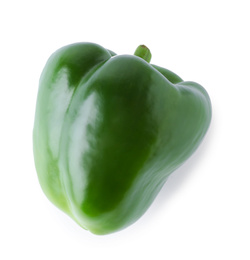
(108, 131)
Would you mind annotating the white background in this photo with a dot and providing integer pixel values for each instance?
(203, 211)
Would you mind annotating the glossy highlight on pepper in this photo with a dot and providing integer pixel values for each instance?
(108, 131)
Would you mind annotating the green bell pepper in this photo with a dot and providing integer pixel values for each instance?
(108, 131)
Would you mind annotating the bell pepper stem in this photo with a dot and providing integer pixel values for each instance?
(143, 52)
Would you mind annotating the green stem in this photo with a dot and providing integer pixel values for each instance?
(143, 52)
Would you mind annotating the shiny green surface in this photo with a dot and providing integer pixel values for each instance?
(108, 131)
